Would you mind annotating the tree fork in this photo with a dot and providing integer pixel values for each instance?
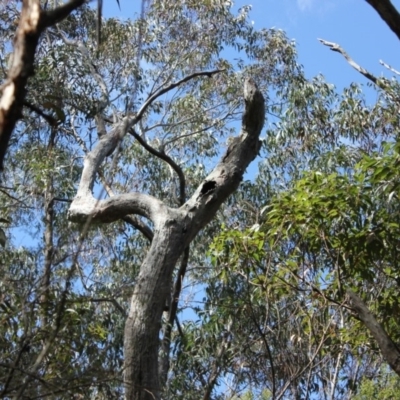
(174, 229)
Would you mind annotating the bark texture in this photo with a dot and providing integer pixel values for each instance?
(174, 229)
(389, 350)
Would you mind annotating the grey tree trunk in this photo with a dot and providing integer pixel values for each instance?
(389, 349)
(174, 229)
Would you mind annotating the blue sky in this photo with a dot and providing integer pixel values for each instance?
(351, 23)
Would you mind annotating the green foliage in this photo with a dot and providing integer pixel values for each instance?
(385, 387)
(321, 216)
(329, 221)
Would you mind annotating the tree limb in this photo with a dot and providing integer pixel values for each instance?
(389, 67)
(381, 83)
(389, 350)
(129, 219)
(32, 23)
(85, 206)
(168, 160)
(227, 175)
(388, 13)
(48, 118)
(52, 17)
(361, 70)
(140, 226)
(166, 89)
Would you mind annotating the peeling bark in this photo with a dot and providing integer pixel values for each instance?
(174, 229)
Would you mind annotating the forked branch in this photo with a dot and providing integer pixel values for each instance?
(85, 206)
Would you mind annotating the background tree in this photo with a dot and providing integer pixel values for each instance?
(328, 230)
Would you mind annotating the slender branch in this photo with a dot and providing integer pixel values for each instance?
(361, 70)
(168, 160)
(49, 119)
(178, 325)
(334, 380)
(266, 345)
(381, 83)
(140, 226)
(12, 368)
(62, 199)
(11, 196)
(388, 13)
(98, 22)
(166, 89)
(389, 349)
(223, 118)
(49, 216)
(110, 300)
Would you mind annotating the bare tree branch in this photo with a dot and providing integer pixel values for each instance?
(168, 160)
(381, 83)
(49, 119)
(361, 70)
(52, 17)
(168, 88)
(140, 226)
(388, 13)
(130, 219)
(388, 348)
(109, 300)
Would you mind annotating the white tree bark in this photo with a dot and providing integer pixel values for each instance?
(174, 229)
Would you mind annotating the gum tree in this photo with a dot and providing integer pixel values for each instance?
(151, 110)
